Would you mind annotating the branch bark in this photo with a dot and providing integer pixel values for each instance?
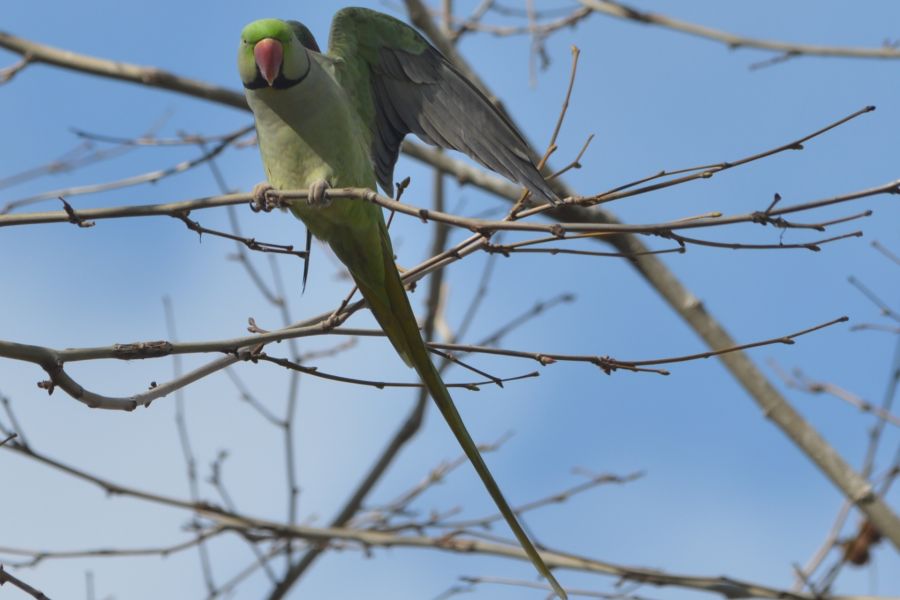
(630, 13)
(726, 587)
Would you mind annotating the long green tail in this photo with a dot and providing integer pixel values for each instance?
(393, 312)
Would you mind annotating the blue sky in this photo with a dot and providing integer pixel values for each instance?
(724, 491)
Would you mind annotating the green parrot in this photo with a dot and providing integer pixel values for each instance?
(337, 120)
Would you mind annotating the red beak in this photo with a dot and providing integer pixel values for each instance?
(268, 54)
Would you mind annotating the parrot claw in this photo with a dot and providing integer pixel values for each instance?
(317, 196)
(261, 200)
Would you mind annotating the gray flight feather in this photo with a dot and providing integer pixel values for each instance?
(424, 94)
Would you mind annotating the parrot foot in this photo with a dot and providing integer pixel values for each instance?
(317, 196)
(261, 200)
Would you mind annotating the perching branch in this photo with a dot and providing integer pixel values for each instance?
(561, 230)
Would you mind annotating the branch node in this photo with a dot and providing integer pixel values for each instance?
(252, 327)
(401, 187)
(73, 216)
(139, 350)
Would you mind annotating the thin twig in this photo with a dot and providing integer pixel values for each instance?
(230, 585)
(556, 498)
(890, 255)
(13, 421)
(7, 73)
(7, 577)
(473, 386)
(802, 382)
(287, 423)
(536, 585)
(726, 587)
(80, 156)
(435, 476)
(187, 448)
(36, 557)
(250, 243)
(151, 177)
(217, 480)
(708, 171)
(883, 306)
(250, 399)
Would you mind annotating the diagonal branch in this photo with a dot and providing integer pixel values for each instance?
(148, 76)
(733, 41)
(7, 577)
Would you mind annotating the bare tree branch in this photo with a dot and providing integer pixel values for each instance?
(798, 380)
(536, 585)
(624, 11)
(151, 177)
(609, 364)
(7, 577)
(149, 76)
(36, 557)
(560, 230)
(727, 587)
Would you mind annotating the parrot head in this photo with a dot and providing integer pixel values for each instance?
(273, 53)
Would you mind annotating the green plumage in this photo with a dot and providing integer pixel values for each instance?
(336, 120)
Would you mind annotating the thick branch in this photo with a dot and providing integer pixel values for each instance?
(624, 11)
(149, 76)
(7, 577)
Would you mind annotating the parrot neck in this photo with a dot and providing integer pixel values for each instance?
(310, 132)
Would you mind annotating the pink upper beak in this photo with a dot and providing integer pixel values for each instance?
(268, 54)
